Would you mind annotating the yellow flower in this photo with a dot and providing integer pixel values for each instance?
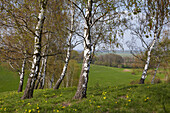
(28, 103)
(38, 111)
(29, 111)
(127, 96)
(116, 102)
(37, 107)
(89, 100)
(54, 110)
(98, 106)
(147, 98)
(104, 93)
(26, 110)
(63, 107)
(75, 109)
(104, 97)
(4, 109)
(129, 100)
(57, 111)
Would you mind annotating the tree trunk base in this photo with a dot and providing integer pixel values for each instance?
(57, 85)
(20, 87)
(141, 81)
(79, 96)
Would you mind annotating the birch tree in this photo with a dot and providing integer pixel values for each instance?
(28, 93)
(157, 21)
(16, 43)
(69, 48)
(152, 17)
(82, 87)
(92, 12)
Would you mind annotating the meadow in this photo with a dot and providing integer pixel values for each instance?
(99, 75)
(109, 91)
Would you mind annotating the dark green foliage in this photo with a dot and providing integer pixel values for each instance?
(111, 60)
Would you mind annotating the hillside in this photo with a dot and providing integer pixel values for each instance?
(8, 80)
(110, 76)
(107, 76)
(108, 91)
(110, 99)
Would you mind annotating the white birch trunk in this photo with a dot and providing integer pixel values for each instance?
(147, 61)
(67, 80)
(59, 81)
(152, 82)
(22, 76)
(82, 86)
(52, 80)
(39, 74)
(37, 51)
(44, 73)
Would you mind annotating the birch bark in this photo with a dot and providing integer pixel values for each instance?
(52, 80)
(59, 81)
(82, 86)
(22, 76)
(42, 82)
(40, 74)
(152, 82)
(28, 93)
(147, 61)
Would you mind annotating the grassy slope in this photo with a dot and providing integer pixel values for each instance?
(119, 99)
(105, 94)
(99, 75)
(9, 80)
(109, 76)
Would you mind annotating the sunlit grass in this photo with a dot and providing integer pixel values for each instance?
(124, 98)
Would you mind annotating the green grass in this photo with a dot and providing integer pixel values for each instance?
(99, 75)
(110, 99)
(9, 80)
(110, 76)
(108, 91)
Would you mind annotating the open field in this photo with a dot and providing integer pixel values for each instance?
(110, 99)
(99, 75)
(121, 53)
(108, 91)
(9, 80)
(110, 76)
